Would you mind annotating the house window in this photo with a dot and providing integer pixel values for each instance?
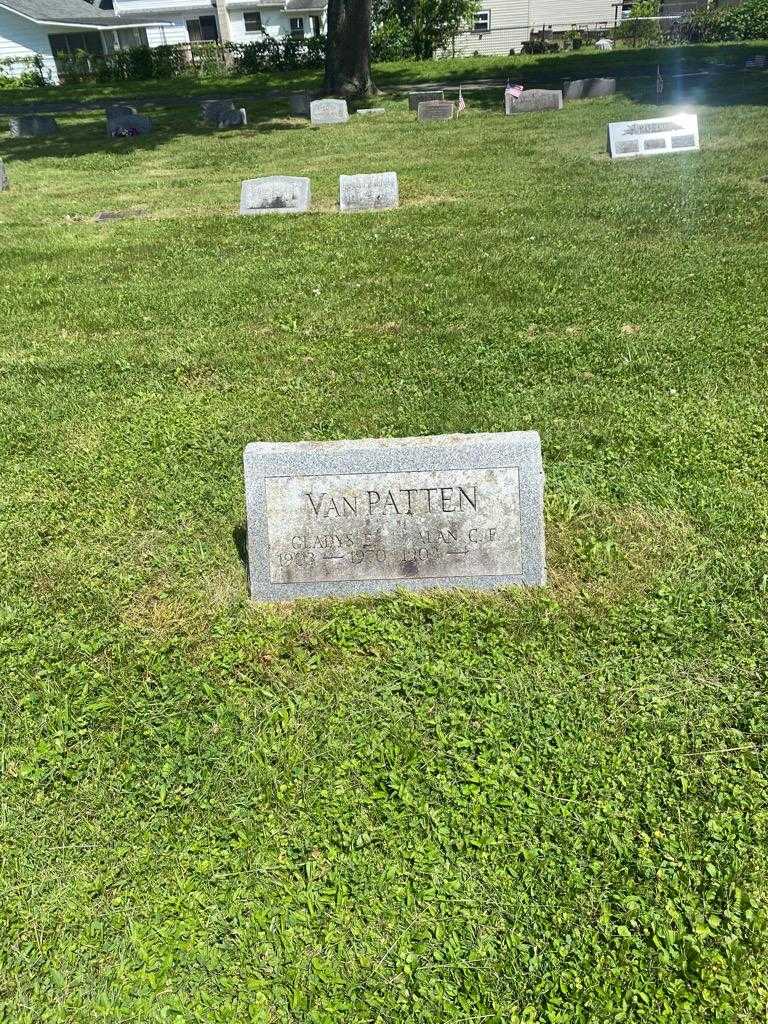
(203, 29)
(125, 38)
(315, 25)
(69, 43)
(482, 22)
(297, 28)
(252, 21)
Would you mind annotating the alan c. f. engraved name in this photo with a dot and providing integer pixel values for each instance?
(404, 501)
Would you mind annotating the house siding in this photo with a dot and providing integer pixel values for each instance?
(511, 22)
(21, 39)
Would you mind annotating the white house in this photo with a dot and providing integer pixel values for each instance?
(500, 26)
(236, 21)
(30, 28)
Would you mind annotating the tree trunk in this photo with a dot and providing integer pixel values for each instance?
(348, 49)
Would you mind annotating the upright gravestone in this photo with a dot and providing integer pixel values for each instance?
(328, 111)
(212, 110)
(275, 194)
(4, 185)
(120, 110)
(359, 192)
(29, 126)
(678, 133)
(233, 118)
(588, 88)
(531, 100)
(415, 98)
(128, 125)
(299, 102)
(357, 517)
(435, 110)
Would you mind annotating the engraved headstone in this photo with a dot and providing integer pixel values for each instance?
(211, 110)
(588, 88)
(358, 517)
(531, 100)
(28, 126)
(4, 185)
(371, 111)
(275, 194)
(675, 133)
(299, 102)
(233, 118)
(328, 111)
(128, 125)
(359, 192)
(415, 98)
(120, 110)
(435, 110)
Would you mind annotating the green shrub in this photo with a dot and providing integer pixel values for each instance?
(725, 24)
(391, 41)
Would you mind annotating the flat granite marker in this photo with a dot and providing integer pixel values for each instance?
(341, 518)
(127, 125)
(370, 111)
(4, 185)
(415, 98)
(673, 133)
(358, 192)
(29, 126)
(588, 88)
(532, 100)
(435, 110)
(276, 194)
(328, 111)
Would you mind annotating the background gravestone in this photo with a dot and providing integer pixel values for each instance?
(276, 194)
(371, 111)
(299, 103)
(120, 110)
(4, 185)
(415, 98)
(531, 100)
(328, 111)
(676, 133)
(588, 88)
(127, 125)
(233, 119)
(357, 517)
(436, 110)
(29, 126)
(211, 110)
(358, 192)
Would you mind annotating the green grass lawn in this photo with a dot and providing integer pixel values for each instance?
(535, 806)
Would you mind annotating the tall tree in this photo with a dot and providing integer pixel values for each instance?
(348, 48)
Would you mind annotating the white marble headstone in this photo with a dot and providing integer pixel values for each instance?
(275, 194)
(328, 111)
(359, 192)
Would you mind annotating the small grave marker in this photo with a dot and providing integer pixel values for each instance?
(120, 110)
(128, 125)
(533, 100)
(233, 118)
(676, 133)
(328, 111)
(342, 518)
(588, 88)
(358, 192)
(299, 103)
(212, 110)
(436, 110)
(371, 111)
(415, 98)
(107, 215)
(276, 194)
(29, 126)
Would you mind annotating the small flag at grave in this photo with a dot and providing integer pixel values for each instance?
(513, 92)
(659, 83)
(461, 105)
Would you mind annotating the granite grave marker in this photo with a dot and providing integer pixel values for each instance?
(120, 110)
(29, 126)
(211, 110)
(299, 103)
(436, 110)
(127, 125)
(275, 194)
(588, 88)
(370, 111)
(532, 100)
(328, 111)
(675, 133)
(342, 518)
(415, 98)
(233, 118)
(358, 192)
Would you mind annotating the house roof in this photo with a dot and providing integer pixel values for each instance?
(72, 14)
(306, 6)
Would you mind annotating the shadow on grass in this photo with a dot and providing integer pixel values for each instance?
(240, 540)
